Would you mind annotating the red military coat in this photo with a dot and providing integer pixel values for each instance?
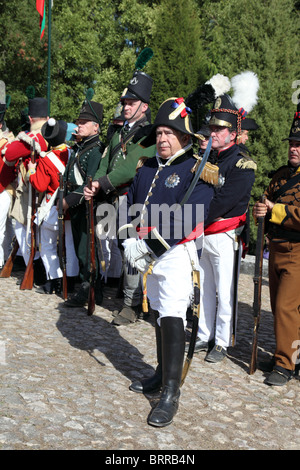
(50, 164)
(7, 173)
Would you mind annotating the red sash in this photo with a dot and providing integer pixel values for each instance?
(225, 225)
(196, 233)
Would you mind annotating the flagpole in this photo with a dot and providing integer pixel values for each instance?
(49, 57)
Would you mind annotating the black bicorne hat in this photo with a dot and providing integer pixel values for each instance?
(38, 107)
(172, 113)
(139, 88)
(54, 132)
(91, 111)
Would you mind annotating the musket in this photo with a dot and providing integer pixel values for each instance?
(92, 251)
(7, 268)
(61, 236)
(257, 288)
(28, 278)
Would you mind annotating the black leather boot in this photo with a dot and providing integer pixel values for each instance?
(151, 384)
(50, 286)
(71, 281)
(80, 298)
(57, 285)
(173, 343)
(46, 288)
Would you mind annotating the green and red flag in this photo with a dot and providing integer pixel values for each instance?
(41, 8)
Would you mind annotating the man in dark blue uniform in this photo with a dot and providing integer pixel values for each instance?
(163, 244)
(224, 230)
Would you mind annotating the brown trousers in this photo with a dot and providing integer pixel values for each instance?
(284, 283)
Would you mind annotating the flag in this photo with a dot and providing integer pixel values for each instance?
(41, 8)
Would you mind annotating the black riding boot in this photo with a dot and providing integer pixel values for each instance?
(50, 286)
(173, 343)
(153, 383)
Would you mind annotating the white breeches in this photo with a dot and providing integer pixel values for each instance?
(24, 241)
(217, 288)
(6, 232)
(49, 234)
(170, 286)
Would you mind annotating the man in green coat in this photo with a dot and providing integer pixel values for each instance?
(83, 163)
(119, 164)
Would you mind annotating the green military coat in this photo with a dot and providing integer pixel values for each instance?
(84, 162)
(121, 158)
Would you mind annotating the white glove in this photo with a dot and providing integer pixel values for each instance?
(137, 254)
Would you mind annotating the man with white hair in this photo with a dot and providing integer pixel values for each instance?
(164, 247)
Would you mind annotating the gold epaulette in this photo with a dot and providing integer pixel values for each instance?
(246, 162)
(140, 162)
(210, 172)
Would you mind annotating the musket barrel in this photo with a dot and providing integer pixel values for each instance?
(257, 279)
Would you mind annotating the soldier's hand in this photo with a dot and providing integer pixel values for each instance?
(260, 209)
(65, 205)
(31, 166)
(89, 193)
(269, 205)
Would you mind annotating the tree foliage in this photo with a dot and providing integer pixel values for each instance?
(259, 36)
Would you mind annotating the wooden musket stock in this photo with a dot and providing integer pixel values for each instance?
(7, 268)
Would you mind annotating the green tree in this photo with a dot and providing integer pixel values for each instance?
(262, 37)
(93, 44)
(178, 65)
(22, 55)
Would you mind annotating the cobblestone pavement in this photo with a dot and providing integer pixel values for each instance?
(65, 378)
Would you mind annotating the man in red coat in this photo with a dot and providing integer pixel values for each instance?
(44, 177)
(7, 175)
(17, 155)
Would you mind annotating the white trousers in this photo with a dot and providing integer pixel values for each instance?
(24, 242)
(217, 265)
(170, 286)
(49, 232)
(6, 233)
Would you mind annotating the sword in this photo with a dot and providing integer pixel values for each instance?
(195, 320)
